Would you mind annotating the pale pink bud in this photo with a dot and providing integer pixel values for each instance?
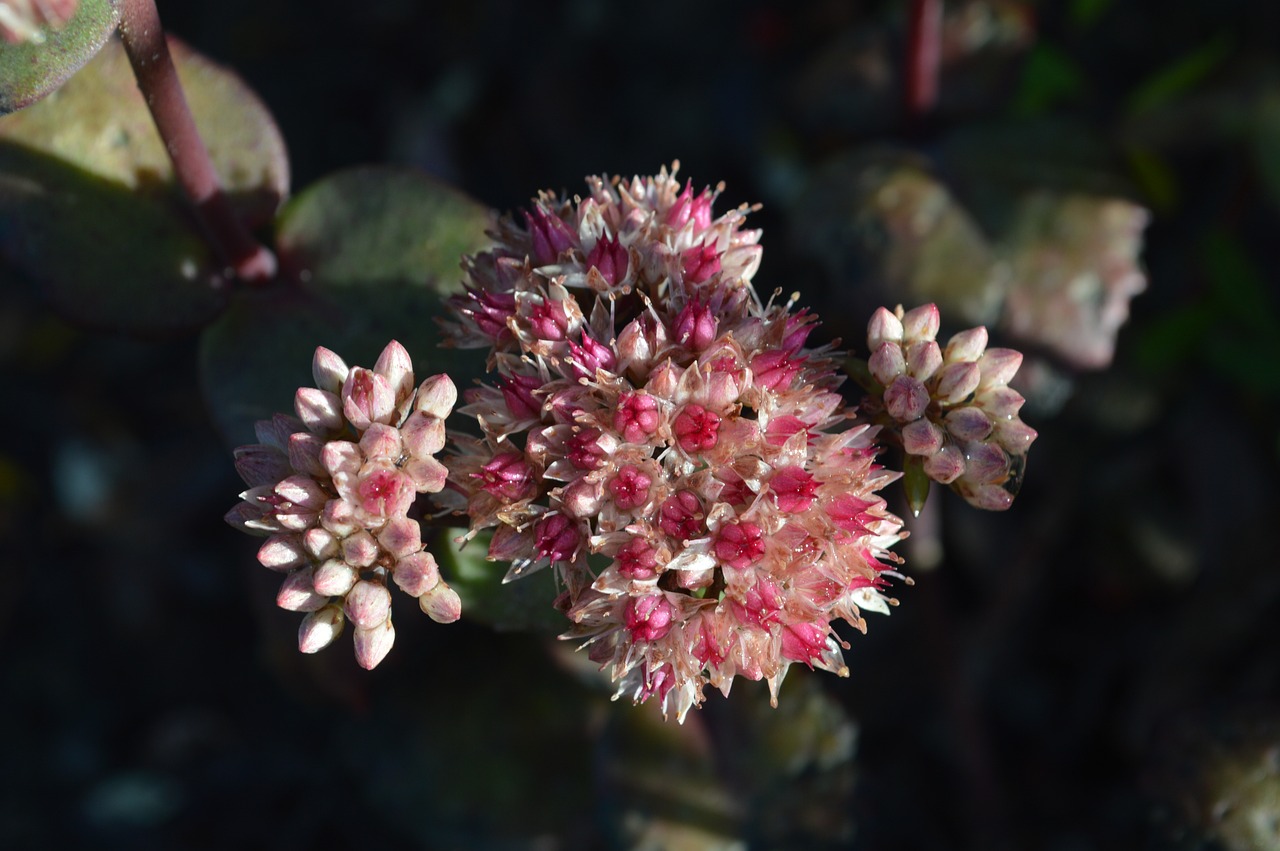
(258, 465)
(320, 411)
(630, 488)
(985, 462)
(988, 497)
(360, 549)
(427, 474)
(1001, 402)
(441, 604)
(282, 552)
(582, 498)
(887, 363)
(636, 417)
(739, 545)
(305, 450)
(956, 382)
(423, 434)
(298, 594)
(557, 537)
(302, 491)
(416, 574)
(550, 235)
(436, 396)
(368, 604)
(610, 258)
(396, 367)
(793, 489)
(1015, 435)
(367, 398)
(381, 441)
(640, 341)
(905, 398)
(373, 644)
(341, 457)
(921, 437)
(966, 346)
(946, 465)
(884, 327)
(696, 326)
(921, 323)
(320, 628)
(648, 618)
(400, 537)
(334, 578)
(328, 370)
(681, 516)
(700, 263)
(320, 543)
(999, 366)
(968, 424)
(637, 560)
(696, 429)
(339, 517)
(923, 359)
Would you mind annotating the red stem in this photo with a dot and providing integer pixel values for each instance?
(924, 54)
(148, 52)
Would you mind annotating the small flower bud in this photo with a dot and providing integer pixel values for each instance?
(320, 628)
(298, 594)
(696, 429)
(946, 465)
(367, 398)
(905, 398)
(884, 327)
(320, 411)
(334, 578)
(648, 618)
(374, 643)
(956, 382)
(921, 437)
(966, 346)
(999, 366)
(887, 363)
(282, 552)
(696, 326)
(968, 424)
(400, 537)
(739, 545)
(436, 396)
(441, 604)
(921, 323)
(630, 488)
(360, 550)
(423, 434)
(328, 370)
(637, 560)
(610, 258)
(923, 359)
(416, 574)
(368, 604)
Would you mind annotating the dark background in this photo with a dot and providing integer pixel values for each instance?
(1096, 668)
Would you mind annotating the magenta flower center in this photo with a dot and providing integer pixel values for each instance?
(740, 545)
(630, 488)
(697, 428)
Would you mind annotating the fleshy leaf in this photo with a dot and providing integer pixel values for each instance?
(367, 254)
(29, 72)
(88, 207)
(525, 604)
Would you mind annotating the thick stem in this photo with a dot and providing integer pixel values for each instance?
(923, 55)
(148, 52)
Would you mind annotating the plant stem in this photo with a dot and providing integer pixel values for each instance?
(148, 51)
(923, 55)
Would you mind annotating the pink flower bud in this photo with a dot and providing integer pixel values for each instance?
(610, 258)
(320, 544)
(436, 396)
(557, 537)
(517, 392)
(298, 594)
(956, 382)
(367, 398)
(630, 487)
(648, 618)
(988, 497)
(320, 411)
(774, 370)
(368, 604)
(884, 327)
(700, 263)
(591, 356)
(259, 464)
(793, 489)
(508, 477)
(921, 323)
(906, 399)
(320, 628)
(381, 441)
(999, 366)
(804, 642)
(385, 492)
(921, 437)
(582, 498)
(328, 370)
(395, 366)
(696, 429)
(985, 462)
(282, 552)
(887, 363)
(1015, 436)
(946, 465)
(1000, 402)
(360, 550)
(549, 234)
(339, 517)
(696, 326)
(416, 574)
(546, 318)
(923, 359)
(441, 604)
(681, 516)
(968, 424)
(427, 474)
(373, 644)
(334, 578)
(739, 545)
(637, 560)
(966, 346)
(636, 417)
(341, 457)
(401, 537)
(584, 449)
(305, 452)
(423, 434)
(681, 212)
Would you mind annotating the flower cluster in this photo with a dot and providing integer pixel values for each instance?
(951, 408)
(333, 491)
(668, 442)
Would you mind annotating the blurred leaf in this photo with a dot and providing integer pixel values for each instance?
(1049, 78)
(522, 605)
(1085, 13)
(369, 251)
(100, 123)
(1240, 295)
(1171, 338)
(30, 71)
(1266, 143)
(1158, 181)
(1178, 78)
(88, 207)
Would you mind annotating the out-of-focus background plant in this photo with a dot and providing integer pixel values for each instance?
(1098, 667)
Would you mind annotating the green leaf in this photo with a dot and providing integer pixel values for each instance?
(915, 482)
(1049, 78)
(1178, 78)
(366, 254)
(524, 605)
(29, 72)
(88, 206)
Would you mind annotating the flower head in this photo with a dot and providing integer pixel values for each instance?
(333, 491)
(667, 442)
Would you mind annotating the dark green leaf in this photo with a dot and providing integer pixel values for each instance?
(1178, 78)
(915, 482)
(1049, 78)
(29, 72)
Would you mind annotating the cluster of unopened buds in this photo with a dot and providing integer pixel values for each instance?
(662, 438)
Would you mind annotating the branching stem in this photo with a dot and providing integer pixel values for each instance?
(148, 52)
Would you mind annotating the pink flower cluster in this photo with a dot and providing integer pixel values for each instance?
(952, 408)
(333, 491)
(668, 442)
